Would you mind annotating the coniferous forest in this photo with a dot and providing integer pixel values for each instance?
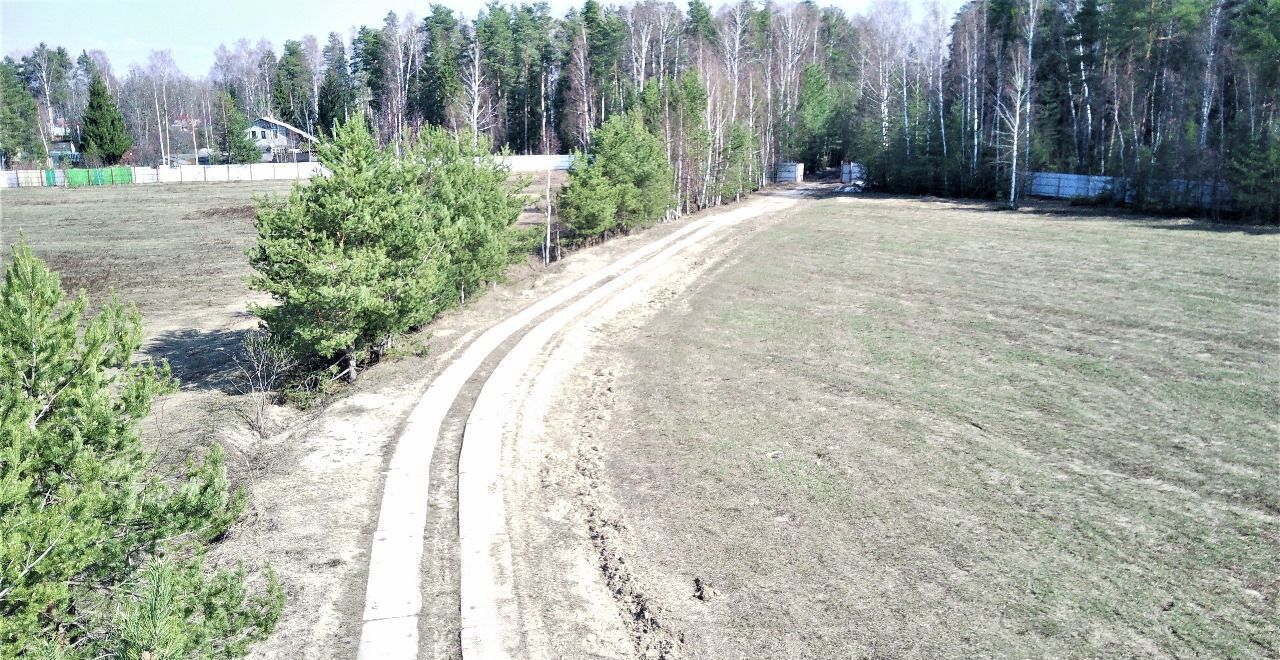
(1156, 91)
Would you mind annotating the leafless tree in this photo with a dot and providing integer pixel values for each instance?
(734, 23)
(579, 92)
(160, 69)
(1012, 112)
(882, 39)
(481, 110)
(262, 366)
(640, 28)
(315, 63)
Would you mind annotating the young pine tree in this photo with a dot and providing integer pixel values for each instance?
(588, 203)
(103, 132)
(626, 184)
(350, 258)
(635, 162)
(736, 158)
(473, 209)
(92, 544)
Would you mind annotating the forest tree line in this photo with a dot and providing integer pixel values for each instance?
(1156, 91)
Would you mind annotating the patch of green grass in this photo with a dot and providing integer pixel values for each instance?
(809, 479)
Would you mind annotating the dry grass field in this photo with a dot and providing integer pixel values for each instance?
(900, 428)
(177, 251)
(171, 249)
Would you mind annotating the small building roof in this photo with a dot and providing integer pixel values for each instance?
(290, 127)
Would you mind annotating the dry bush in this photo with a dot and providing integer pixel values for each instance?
(262, 366)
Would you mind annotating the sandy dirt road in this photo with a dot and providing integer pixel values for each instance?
(482, 415)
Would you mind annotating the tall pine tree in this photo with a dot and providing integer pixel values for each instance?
(437, 84)
(103, 133)
(19, 119)
(337, 91)
(292, 90)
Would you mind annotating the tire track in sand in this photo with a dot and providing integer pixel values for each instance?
(393, 595)
(491, 622)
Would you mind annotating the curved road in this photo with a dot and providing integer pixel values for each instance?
(489, 616)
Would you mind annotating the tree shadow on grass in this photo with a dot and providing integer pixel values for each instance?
(201, 359)
(1173, 223)
(1064, 211)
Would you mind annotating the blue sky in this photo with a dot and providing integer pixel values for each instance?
(128, 30)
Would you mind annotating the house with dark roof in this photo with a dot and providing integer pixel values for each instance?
(281, 142)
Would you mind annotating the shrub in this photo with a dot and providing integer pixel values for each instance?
(350, 258)
(262, 367)
(98, 557)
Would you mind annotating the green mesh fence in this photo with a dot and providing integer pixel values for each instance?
(99, 176)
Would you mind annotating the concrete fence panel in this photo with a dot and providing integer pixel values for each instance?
(790, 172)
(536, 162)
(852, 173)
(240, 172)
(266, 171)
(309, 170)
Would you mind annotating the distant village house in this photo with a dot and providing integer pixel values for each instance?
(281, 142)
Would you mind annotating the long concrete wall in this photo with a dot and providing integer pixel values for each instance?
(1072, 186)
(254, 172)
(180, 174)
(1068, 186)
(537, 163)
